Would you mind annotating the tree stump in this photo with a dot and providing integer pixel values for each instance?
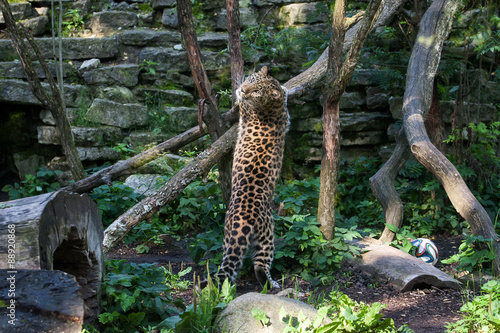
(55, 231)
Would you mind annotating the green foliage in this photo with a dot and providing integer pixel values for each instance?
(474, 254)
(114, 200)
(207, 304)
(402, 235)
(482, 314)
(346, 315)
(148, 67)
(124, 150)
(303, 250)
(138, 296)
(73, 21)
(299, 196)
(45, 181)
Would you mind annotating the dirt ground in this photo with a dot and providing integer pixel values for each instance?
(425, 309)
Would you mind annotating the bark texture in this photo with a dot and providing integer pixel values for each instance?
(338, 77)
(208, 106)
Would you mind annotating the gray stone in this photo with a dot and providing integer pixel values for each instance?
(47, 118)
(90, 64)
(140, 139)
(117, 94)
(37, 25)
(123, 74)
(175, 97)
(83, 136)
(173, 60)
(20, 11)
(267, 3)
(478, 112)
(351, 100)
(376, 98)
(213, 40)
(97, 154)
(72, 48)
(138, 37)
(362, 121)
(169, 18)
(14, 69)
(161, 4)
(110, 113)
(181, 118)
(365, 77)
(166, 164)
(237, 316)
(110, 22)
(27, 163)
(19, 92)
(369, 138)
(302, 13)
(144, 184)
(396, 107)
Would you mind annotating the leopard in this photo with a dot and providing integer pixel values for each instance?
(257, 161)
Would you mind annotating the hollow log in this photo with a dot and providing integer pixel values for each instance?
(55, 231)
(40, 301)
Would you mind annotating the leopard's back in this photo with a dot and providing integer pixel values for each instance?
(257, 163)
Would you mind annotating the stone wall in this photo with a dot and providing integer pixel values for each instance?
(129, 58)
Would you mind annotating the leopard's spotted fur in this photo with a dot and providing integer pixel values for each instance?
(256, 167)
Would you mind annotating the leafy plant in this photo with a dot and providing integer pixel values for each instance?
(148, 67)
(138, 296)
(45, 181)
(207, 304)
(482, 314)
(114, 200)
(474, 254)
(346, 315)
(73, 21)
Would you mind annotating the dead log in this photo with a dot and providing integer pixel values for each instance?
(40, 301)
(55, 231)
(170, 190)
(402, 270)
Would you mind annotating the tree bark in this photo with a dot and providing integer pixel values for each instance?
(170, 190)
(382, 185)
(235, 48)
(338, 76)
(208, 107)
(424, 60)
(54, 103)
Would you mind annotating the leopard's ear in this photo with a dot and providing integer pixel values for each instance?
(263, 70)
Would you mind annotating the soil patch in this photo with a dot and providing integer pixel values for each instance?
(425, 309)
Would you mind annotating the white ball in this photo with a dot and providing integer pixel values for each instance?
(426, 250)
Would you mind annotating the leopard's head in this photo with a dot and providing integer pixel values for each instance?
(261, 92)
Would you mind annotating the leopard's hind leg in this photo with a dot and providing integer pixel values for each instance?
(263, 253)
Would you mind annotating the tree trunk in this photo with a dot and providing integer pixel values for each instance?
(54, 103)
(235, 48)
(208, 107)
(424, 60)
(382, 185)
(55, 231)
(170, 190)
(338, 76)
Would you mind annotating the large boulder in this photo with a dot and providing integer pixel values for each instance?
(149, 37)
(302, 13)
(177, 61)
(110, 113)
(237, 316)
(14, 69)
